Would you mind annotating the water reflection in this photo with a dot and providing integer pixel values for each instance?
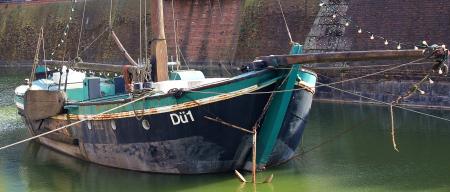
(361, 159)
(47, 170)
(365, 159)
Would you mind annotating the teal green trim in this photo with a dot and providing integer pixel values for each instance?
(261, 80)
(307, 77)
(76, 94)
(275, 114)
(41, 69)
(107, 89)
(296, 49)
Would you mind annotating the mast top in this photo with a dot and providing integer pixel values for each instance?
(159, 57)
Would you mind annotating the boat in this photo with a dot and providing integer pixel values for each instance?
(179, 122)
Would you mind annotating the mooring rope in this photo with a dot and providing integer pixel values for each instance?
(394, 143)
(356, 125)
(391, 107)
(348, 92)
(376, 73)
(74, 123)
(388, 104)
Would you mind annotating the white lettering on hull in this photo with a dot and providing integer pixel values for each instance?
(182, 117)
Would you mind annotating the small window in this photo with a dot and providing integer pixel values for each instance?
(146, 124)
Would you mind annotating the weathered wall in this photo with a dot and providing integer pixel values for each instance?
(218, 35)
(20, 25)
(211, 33)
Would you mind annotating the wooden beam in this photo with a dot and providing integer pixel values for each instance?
(159, 46)
(89, 66)
(310, 58)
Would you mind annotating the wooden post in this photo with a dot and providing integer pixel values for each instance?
(254, 155)
(159, 46)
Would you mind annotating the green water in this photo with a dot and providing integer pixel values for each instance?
(362, 159)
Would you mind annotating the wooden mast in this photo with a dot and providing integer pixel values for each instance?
(158, 46)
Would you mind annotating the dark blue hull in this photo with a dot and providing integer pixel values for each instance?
(290, 136)
(179, 142)
(196, 146)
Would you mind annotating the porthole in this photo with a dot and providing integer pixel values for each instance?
(146, 124)
(113, 125)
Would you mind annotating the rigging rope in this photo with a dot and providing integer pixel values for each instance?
(329, 85)
(81, 29)
(110, 15)
(356, 125)
(184, 59)
(285, 22)
(147, 62)
(43, 52)
(175, 36)
(93, 41)
(322, 85)
(140, 30)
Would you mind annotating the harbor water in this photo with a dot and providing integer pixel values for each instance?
(346, 147)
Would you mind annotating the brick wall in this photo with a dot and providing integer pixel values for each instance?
(206, 29)
(224, 33)
(212, 33)
(406, 21)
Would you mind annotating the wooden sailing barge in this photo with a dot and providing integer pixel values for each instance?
(187, 124)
